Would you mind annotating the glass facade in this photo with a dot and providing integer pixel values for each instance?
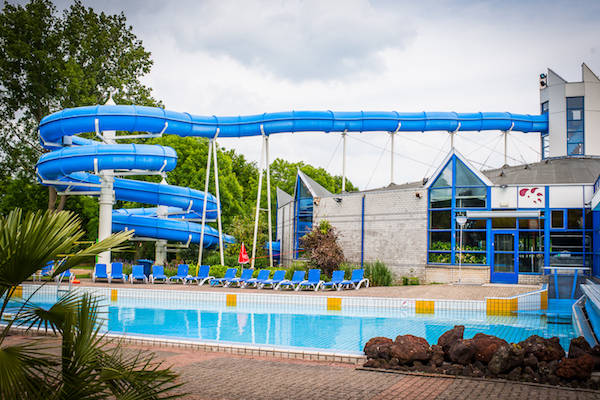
(575, 126)
(456, 190)
(303, 211)
(558, 237)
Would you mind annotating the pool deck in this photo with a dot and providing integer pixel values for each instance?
(437, 291)
(212, 375)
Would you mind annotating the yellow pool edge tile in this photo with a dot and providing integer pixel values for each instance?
(424, 307)
(501, 306)
(231, 300)
(18, 291)
(334, 303)
(114, 294)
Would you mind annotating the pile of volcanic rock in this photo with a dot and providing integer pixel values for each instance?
(533, 360)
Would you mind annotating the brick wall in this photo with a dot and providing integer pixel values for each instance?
(395, 228)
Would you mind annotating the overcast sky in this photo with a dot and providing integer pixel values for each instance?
(244, 57)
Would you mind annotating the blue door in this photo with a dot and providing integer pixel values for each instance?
(504, 268)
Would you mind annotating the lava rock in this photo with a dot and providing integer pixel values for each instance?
(514, 374)
(575, 368)
(578, 347)
(378, 347)
(450, 337)
(454, 369)
(543, 349)
(409, 348)
(506, 358)
(437, 355)
(462, 351)
(485, 346)
(530, 361)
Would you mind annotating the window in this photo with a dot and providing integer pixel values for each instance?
(470, 192)
(440, 198)
(575, 126)
(558, 219)
(575, 219)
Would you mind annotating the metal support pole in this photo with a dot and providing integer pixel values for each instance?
(214, 143)
(201, 243)
(392, 153)
(260, 174)
(267, 160)
(505, 147)
(452, 136)
(344, 160)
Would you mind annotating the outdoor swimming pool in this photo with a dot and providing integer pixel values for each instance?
(271, 321)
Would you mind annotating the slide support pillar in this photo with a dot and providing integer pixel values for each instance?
(105, 213)
(257, 214)
(160, 247)
(201, 243)
(267, 161)
(216, 165)
(393, 134)
(344, 160)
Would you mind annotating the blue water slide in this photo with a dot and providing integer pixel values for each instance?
(75, 160)
(133, 118)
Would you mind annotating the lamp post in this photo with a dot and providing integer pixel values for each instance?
(461, 220)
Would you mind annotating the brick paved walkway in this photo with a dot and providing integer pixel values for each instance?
(210, 376)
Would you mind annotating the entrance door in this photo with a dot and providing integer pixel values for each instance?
(504, 268)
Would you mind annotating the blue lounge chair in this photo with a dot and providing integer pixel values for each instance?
(357, 279)
(116, 273)
(297, 278)
(202, 277)
(65, 275)
(158, 273)
(263, 275)
(246, 274)
(45, 271)
(278, 277)
(229, 274)
(336, 278)
(137, 274)
(99, 272)
(182, 273)
(312, 282)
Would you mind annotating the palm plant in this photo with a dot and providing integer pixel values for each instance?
(88, 366)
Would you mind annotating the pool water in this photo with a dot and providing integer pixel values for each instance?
(305, 327)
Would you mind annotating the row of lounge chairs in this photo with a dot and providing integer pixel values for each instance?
(298, 282)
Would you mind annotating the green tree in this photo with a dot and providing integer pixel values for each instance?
(50, 61)
(84, 367)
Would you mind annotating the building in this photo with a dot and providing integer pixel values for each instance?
(516, 220)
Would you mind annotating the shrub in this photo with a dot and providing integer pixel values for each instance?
(296, 266)
(413, 280)
(322, 248)
(378, 274)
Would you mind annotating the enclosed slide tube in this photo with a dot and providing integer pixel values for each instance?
(77, 160)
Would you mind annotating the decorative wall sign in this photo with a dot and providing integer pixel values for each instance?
(532, 197)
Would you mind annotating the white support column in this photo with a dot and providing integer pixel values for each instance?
(267, 160)
(105, 213)
(344, 160)
(160, 246)
(393, 134)
(452, 134)
(505, 147)
(257, 215)
(201, 243)
(218, 200)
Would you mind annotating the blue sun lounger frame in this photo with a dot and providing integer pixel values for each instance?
(240, 282)
(158, 273)
(182, 273)
(137, 274)
(278, 277)
(297, 278)
(229, 274)
(355, 281)
(202, 277)
(312, 282)
(262, 276)
(337, 277)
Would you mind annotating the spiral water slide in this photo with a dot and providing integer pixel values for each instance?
(77, 164)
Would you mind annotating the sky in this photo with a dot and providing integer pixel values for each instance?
(219, 57)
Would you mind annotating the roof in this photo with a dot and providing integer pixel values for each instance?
(315, 189)
(283, 198)
(553, 171)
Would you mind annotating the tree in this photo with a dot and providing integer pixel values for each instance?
(84, 367)
(49, 62)
(322, 247)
